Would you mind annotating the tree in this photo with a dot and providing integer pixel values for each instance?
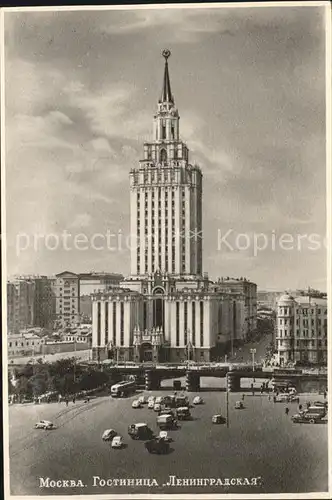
(23, 387)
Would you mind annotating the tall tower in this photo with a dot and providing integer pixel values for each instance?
(166, 199)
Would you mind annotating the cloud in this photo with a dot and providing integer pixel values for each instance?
(81, 91)
(187, 25)
(81, 220)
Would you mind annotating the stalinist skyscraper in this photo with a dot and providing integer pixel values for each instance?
(166, 198)
(167, 309)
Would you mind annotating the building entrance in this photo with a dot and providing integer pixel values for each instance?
(146, 352)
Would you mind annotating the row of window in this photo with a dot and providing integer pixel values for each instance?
(193, 325)
(304, 333)
(114, 324)
(307, 343)
(305, 311)
(11, 344)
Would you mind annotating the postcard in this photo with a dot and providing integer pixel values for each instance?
(166, 189)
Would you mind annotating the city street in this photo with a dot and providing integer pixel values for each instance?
(261, 441)
(243, 354)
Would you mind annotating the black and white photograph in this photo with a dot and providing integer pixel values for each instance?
(166, 225)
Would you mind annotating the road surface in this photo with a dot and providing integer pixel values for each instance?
(260, 442)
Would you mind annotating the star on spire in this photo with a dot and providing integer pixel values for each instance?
(166, 94)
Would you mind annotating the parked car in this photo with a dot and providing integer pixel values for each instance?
(143, 400)
(140, 431)
(166, 422)
(169, 401)
(197, 400)
(157, 445)
(306, 418)
(181, 401)
(183, 413)
(151, 398)
(168, 411)
(320, 410)
(320, 403)
(109, 434)
(282, 398)
(157, 407)
(117, 442)
(218, 419)
(159, 400)
(164, 435)
(293, 398)
(151, 405)
(44, 424)
(136, 404)
(239, 405)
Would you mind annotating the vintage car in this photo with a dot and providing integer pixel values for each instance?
(198, 400)
(140, 431)
(151, 405)
(239, 405)
(109, 434)
(157, 445)
(293, 398)
(166, 422)
(44, 424)
(142, 399)
(183, 413)
(164, 435)
(117, 442)
(306, 418)
(218, 419)
(136, 404)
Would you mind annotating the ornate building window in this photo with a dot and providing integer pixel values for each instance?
(163, 155)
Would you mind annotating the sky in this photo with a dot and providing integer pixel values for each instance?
(81, 89)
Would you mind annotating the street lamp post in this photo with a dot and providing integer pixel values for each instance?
(75, 360)
(253, 352)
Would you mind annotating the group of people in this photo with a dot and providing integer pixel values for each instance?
(66, 399)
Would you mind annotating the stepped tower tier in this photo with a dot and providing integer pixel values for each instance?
(166, 198)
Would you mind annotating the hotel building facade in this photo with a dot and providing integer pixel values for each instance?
(167, 309)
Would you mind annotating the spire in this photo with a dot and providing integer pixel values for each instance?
(166, 94)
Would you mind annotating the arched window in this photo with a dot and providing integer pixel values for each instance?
(163, 155)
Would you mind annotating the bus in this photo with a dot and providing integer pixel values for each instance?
(122, 389)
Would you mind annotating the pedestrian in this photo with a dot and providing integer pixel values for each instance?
(269, 397)
(67, 401)
(308, 405)
(286, 410)
(274, 399)
(242, 397)
(325, 394)
(74, 399)
(300, 407)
